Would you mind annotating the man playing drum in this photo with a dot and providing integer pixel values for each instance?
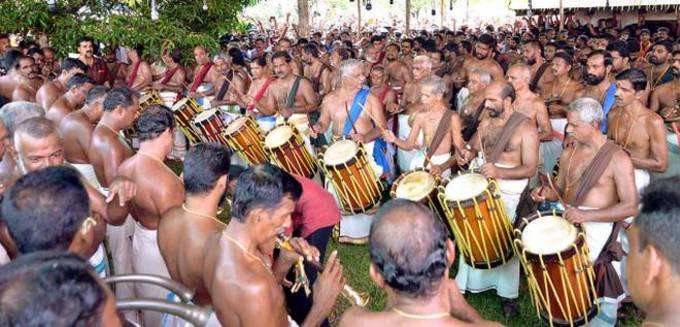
(507, 142)
(597, 183)
(407, 238)
(472, 105)
(255, 100)
(184, 230)
(158, 190)
(244, 285)
(138, 75)
(204, 73)
(351, 111)
(653, 268)
(428, 123)
(174, 77)
(637, 129)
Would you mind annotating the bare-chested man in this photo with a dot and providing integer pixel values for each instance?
(174, 77)
(13, 114)
(7, 80)
(76, 131)
(204, 73)
(232, 82)
(561, 91)
(138, 75)
(608, 198)
(255, 101)
(23, 72)
(289, 93)
(238, 272)
(316, 71)
(426, 123)
(664, 100)
(184, 230)
(38, 146)
(407, 236)
(410, 104)
(482, 57)
(398, 72)
(52, 90)
(74, 97)
(637, 129)
(471, 104)
(108, 150)
(158, 190)
(382, 90)
(598, 82)
(659, 70)
(97, 69)
(534, 58)
(508, 144)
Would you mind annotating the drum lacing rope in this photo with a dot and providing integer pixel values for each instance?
(253, 138)
(344, 193)
(302, 165)
(543, 301)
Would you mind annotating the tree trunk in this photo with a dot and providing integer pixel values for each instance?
(407, 21)
(303, 17)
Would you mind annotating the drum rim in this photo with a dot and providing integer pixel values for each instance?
(567, 253)
(491, 187)
(180, 103)
(393, 189)
(348, 162)
(226, 128)
(203, 112)
(292, 134)
(580, 321)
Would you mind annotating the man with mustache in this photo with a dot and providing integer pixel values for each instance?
(205, 73)
(184, 230)
(507, 141)
(482, 57)
(315, 70)
(23, 71)
(659, 70)
(290, 93)
(540, 74)
(664, 100)
(158, 190)
(557, 96)
(637, 129)
(51, 90)
(97, 69)
(397, 71)
(138, 75)
(598, 83)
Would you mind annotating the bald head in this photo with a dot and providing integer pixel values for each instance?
(519, 72)
(408, 248)
(498, 97)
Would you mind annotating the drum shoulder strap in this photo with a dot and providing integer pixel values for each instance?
(539, 73)
(594, 170)
(439, 134)
(472, 122)
(515, 120)
(290, 100)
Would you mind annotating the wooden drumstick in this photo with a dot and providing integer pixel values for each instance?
(370, 116)
(554, 189)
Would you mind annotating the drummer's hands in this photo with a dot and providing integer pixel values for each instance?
(576, 216)
(388, 136)
(357, 137)
(437, 169)
(538, 194)
(313, 130)
(124, 188)
(489, 170)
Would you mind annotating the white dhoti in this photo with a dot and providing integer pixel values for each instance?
(505, 278)
(4, 257)
(87, 170)
(99, 262)
(419, 162)
(404, 158)
(147, 259)
(119, 241)
(550, 151)
(642, 179)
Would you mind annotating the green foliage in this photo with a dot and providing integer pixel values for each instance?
(183, 23)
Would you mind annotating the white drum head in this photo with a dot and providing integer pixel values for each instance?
(465, 187)
(278, 136)
(415, 186)
(179, 104)
(204, 88)
(235, 125)
(548, 235)
(145, 96)
(340, 152)
(204, 115)
(168, 98)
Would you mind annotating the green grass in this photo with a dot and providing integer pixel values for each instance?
(355, 260)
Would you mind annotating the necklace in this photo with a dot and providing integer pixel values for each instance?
(659, 78)
(427, 316)
(243, 248)
(559, 96)
(617, 136)
(184, 207)
(569, 186)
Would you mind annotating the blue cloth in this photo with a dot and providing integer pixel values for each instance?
(380, 146)
(607, 105)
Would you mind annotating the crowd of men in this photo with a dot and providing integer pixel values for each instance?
(592, 109)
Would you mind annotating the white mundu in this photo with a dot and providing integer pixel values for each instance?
(404, 158)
